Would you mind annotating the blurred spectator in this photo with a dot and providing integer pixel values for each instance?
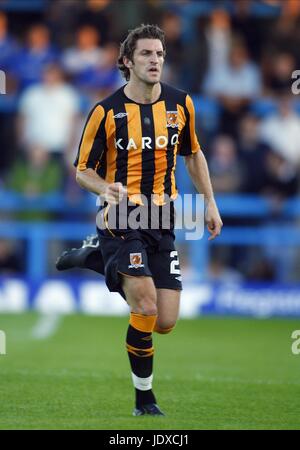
(48, 114)
(283, 37)
(235, 85)
(95, 14)
(8, 45)
(252, 153)
(102, 79)
(281, 180)
(35, 174)
(10, 261)
(224, 165)
(280, 70)
(8, 144)
(244, 23)
(291, 8)
(194, 56)
(30, 62)
(281, 131)
(8, 51)
(125, 15)
(171, 24)
(86, 54)
(62, 17)
(219, 35)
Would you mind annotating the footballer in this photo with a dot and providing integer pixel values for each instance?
(127, 154)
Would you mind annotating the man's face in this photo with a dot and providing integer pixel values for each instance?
(148, 59)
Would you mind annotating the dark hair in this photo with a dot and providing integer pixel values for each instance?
(129, 44)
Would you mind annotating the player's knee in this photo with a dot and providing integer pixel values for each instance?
(164, 327)
(146, 304)
(143, 300)
(147, 307)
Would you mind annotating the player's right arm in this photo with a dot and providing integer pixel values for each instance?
(91, 149)
(91, 181)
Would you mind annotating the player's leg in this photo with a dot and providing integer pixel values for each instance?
(165, 269)
(88, 256)
(127, 271)
(140, 294)
(168, 301)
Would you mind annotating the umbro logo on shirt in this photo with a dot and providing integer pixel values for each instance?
(120, 115)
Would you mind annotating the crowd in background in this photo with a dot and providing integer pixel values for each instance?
(235, 58)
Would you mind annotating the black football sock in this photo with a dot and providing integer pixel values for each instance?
(140, 351)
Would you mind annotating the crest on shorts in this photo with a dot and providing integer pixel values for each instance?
(172, 119)
(135, 261)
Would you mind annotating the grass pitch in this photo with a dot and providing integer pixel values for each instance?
(210, 373)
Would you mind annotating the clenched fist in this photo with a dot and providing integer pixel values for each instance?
(114, 193)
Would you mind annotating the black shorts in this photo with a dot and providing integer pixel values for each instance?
(141, 252)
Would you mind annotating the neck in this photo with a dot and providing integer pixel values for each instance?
(140, 92)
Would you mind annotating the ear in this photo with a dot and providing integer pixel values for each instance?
(127, 62)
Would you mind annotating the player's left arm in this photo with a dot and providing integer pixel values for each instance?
(198, 170)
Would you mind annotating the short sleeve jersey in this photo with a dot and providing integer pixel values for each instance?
(137, 144)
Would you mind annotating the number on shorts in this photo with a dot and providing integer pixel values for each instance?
(174, 263)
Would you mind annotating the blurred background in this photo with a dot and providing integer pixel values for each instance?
(236, 59)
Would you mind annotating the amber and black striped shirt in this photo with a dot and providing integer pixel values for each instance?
(137, 144)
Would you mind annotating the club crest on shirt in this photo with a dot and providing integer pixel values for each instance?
(172, 119)
(135, 261)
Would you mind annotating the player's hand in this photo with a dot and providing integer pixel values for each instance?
(213, 219)
(114, 193)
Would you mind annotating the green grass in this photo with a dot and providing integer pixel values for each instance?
(210, 373)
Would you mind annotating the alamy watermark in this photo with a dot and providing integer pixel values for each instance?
(296, 344)
(2, 82)
(296, 83)
(187, 212)
(2, 343)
